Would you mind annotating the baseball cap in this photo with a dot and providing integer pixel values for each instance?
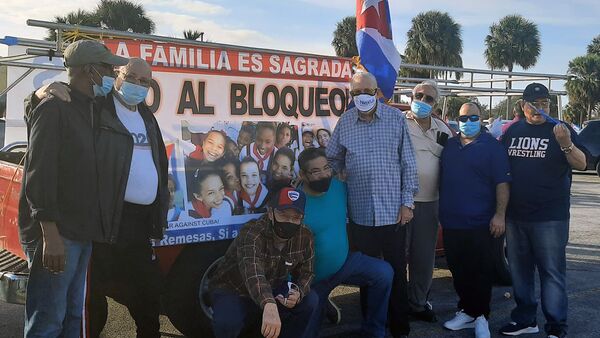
(289, 198)
(84, 52)
(535, 91)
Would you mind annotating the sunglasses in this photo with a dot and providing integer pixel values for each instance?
(367, 91)
(540, 104)
(465, 118)
(424, 97)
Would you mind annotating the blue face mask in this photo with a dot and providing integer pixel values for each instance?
(420, 109)
(107, 85)
(469, 128)
(132, 94)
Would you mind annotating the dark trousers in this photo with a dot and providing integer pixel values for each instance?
(389, 242)
(128, 273)
(468, 253)
(233, 314)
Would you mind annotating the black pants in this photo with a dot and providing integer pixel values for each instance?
(388, 242)
(127, 273)
(468, 253)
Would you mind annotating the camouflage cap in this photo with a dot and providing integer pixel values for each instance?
(85, 52)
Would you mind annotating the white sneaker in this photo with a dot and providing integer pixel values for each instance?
(460, 321)
(482, 329)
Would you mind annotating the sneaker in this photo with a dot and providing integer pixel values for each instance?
(482, 329)
(460, 321)
(426, 315)
(514, 329)
(332, 312)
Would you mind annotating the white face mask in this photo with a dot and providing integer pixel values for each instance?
(365, 102)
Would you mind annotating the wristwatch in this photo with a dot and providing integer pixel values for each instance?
(411, 206)
(568, 149)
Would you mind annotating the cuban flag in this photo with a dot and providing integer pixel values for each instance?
(375, 45)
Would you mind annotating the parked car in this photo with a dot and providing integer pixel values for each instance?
(590, 138)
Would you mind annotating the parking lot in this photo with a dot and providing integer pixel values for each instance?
(583, 265)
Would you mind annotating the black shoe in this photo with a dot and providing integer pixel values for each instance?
(514, 329)
(332, 312)
(426, 315)
(557, 334)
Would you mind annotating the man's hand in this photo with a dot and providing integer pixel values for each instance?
(53, 258)
(61, 91)
(405, 215)
(497, 225)
(271, 324)
(291, 301)
(562, 135)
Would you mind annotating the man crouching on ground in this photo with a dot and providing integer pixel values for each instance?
(268, 268)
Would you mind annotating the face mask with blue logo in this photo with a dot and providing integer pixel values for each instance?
(132, 94)
(106, 87)
(420, 109)
(469, 128)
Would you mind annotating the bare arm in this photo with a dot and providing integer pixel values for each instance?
(498, 222)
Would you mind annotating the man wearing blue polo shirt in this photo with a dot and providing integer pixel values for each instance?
(542, 152)
(474, 192)
(325, 215)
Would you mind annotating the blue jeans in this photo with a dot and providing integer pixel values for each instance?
(364, 271)
(234, 314)
(54, 304)
(541, 245)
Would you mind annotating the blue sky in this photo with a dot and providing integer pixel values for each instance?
(566, 27)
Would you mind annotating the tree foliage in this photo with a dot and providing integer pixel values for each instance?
(124, 15)
(78, 17)
(594, 46)
(433, 39)
(512, 41)
(192, 34)
(120, 15)
(583, 85)
(344, 37)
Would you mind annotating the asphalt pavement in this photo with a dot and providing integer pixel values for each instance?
(583, 278)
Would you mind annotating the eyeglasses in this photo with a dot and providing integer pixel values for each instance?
(424, 97)
(368, 91)
(318, 172)
(465, 118)
(144, 82)
(540, 104)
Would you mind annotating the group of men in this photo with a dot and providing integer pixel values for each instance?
(352, 220)
(391, 208)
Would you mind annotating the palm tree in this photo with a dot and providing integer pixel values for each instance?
(512, 41)
(434, 39)
(193, 35)
(78, 17)
(124, 15)
(583, 86)
(594, 46)
(344, 37)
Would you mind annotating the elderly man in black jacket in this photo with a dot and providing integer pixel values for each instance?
(131, 196)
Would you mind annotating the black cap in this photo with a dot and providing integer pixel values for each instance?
(535, 91)
(85, 52)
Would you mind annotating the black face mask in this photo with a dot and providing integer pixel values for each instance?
(321, 185)
(285, 230)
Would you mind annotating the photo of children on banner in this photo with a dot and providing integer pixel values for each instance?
(227, 177)
(315, 135)
(209, 199)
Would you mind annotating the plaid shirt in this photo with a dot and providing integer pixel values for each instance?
(380, 164)
(253, 266)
